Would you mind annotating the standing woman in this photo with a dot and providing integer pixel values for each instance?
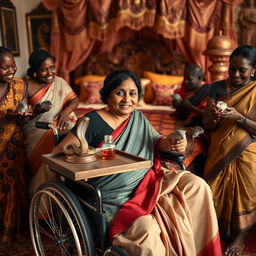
(43, 86)
(231, 162)
(13, 181)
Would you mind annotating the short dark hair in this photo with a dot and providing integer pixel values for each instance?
(4, 50)
(114, 79)
(35, 60)
(197, 70)
(246, 51)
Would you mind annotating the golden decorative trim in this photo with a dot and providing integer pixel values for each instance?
(245, 220)
(125, 18)
(137, 21)
(170, 30)
(126, 14)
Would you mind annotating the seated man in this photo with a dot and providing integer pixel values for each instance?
(190, 99)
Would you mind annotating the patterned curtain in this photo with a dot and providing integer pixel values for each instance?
(78, 24)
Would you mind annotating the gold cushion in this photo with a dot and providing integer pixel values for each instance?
(163, 79)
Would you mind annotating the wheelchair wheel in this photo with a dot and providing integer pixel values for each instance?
(56, 216)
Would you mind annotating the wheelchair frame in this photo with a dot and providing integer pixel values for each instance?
(75, 224)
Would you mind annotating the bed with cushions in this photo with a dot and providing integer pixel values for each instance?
(161, 71)
(161, 74)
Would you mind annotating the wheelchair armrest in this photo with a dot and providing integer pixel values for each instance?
(43, 125)
(175, 157)
(47, 126)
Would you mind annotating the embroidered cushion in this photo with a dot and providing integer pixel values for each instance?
(90, 92)
(163, 94)
(87, 86)
(161, 80)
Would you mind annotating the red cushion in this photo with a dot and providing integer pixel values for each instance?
(163, 93)
(90, 92)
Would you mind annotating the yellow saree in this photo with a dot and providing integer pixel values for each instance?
(13, 182)
(230, 165)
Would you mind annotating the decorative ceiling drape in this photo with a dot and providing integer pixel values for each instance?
(79, 25)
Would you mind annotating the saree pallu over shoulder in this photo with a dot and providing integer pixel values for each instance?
(229, 139)
(39, 94)
(129, 136)
(38, 141)
(37, 97)
(13, 95)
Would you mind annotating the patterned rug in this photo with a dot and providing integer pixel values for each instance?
(24, 248)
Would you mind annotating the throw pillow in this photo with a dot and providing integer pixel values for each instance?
(90, 92)
(163, 94)
(84, 81)
(163, 79)
(89, 78)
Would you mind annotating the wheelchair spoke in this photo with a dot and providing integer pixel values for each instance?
(46, 233)
(56, 215)
(65, 252)
(50, 221)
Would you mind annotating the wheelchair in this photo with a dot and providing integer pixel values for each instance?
(70, 215)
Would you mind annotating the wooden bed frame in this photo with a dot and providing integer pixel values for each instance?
(134, 55)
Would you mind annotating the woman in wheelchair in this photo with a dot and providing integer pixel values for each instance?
(154, 211)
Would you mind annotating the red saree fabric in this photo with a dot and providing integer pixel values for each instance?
(149, 198)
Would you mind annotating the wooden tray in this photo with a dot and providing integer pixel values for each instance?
(123, 162)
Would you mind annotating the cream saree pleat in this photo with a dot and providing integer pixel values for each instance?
(185, 215)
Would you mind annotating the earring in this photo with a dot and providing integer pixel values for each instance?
(107, 108)
(34, 74)
(252, 74)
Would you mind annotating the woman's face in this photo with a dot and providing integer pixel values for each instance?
(240, 71)
(7, 68)
(46, 71)
(124, 99)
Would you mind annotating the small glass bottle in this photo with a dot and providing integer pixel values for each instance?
(108, 148)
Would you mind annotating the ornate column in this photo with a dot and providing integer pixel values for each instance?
(219, 48)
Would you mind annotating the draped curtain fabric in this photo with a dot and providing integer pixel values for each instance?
(78, 24)
(201, 25)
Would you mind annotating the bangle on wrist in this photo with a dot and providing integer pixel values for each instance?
(243, 120)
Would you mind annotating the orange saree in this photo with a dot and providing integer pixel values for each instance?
(13, 182)
(230, 165)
